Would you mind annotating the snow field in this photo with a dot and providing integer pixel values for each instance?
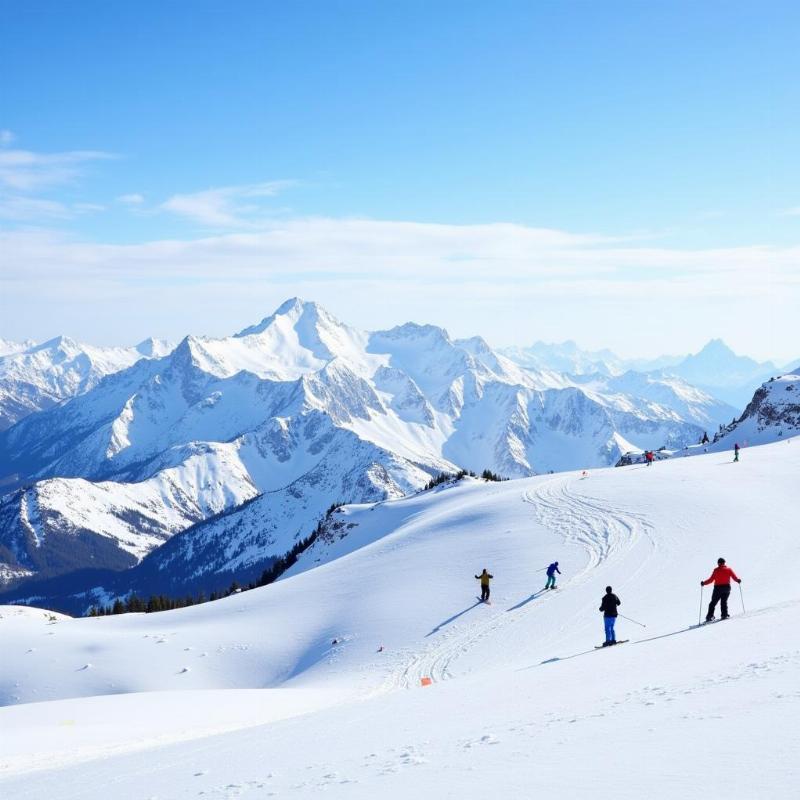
(521, 703)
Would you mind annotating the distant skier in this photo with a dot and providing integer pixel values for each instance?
(551, 575)
(648, 457)
(608, 605)
(736, 451)
(721, 578)
(484, 578)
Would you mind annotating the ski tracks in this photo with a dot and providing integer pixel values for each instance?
(604, 531)
(434, 662)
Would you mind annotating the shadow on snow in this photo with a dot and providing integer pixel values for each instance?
(527, 600)
(454, 617)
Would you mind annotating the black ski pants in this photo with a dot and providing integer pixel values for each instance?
(484, 592)
(719, 595)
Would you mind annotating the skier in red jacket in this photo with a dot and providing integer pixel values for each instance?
(721, 578)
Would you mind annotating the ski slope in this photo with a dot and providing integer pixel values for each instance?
(250, 697)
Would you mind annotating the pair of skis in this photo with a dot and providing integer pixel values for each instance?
(609, 646)
(701, 625)
(711, 621)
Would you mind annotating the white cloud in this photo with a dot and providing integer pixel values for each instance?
(511, 283)
(26, 171)
(87, 208)
(19, 208)
(133, 199)
(790, 212)
(26, 175)
(228, 206)
(497, 255)
(23, 208)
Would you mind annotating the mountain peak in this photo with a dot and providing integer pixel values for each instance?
(293, 304)
(475, 345)
(415, 331)
(293, 310)
(154, 348)
(57, 343)
(716, 347)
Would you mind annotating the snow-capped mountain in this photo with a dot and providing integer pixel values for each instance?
(261, 431)
(715, 369)
(62, 524)
(772, 414)
(566, 357)
(722, 373)
(37, 377)
(657, 392)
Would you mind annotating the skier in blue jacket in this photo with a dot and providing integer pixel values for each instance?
(551, 575)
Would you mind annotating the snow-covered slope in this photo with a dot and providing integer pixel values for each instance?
(520, 701)
(8, 347)
(63, 524)
(37, 377)
(278, 399)
(772, 414)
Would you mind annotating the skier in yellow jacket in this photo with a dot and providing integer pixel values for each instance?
(484, 578)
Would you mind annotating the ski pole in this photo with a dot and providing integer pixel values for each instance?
(633, 621)
(700, 613)
(741, 594)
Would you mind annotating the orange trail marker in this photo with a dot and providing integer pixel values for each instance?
(425, 681)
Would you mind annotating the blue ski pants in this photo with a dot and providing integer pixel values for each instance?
(609, 622)
(551, 581)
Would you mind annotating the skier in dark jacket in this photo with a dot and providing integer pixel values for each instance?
(551, 575)
(721, 578)
(736, 449)
(484, 578)
(608, 605)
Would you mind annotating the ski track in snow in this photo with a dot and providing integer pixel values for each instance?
(605, 532)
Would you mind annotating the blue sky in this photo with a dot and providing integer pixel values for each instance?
(522, 170)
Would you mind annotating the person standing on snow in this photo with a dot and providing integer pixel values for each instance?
(648, 455)
(608, 605)
(736, 451)
(484, 578)
(551, 575)
(721, 578)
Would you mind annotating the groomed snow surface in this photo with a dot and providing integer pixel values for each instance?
(250, 697)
